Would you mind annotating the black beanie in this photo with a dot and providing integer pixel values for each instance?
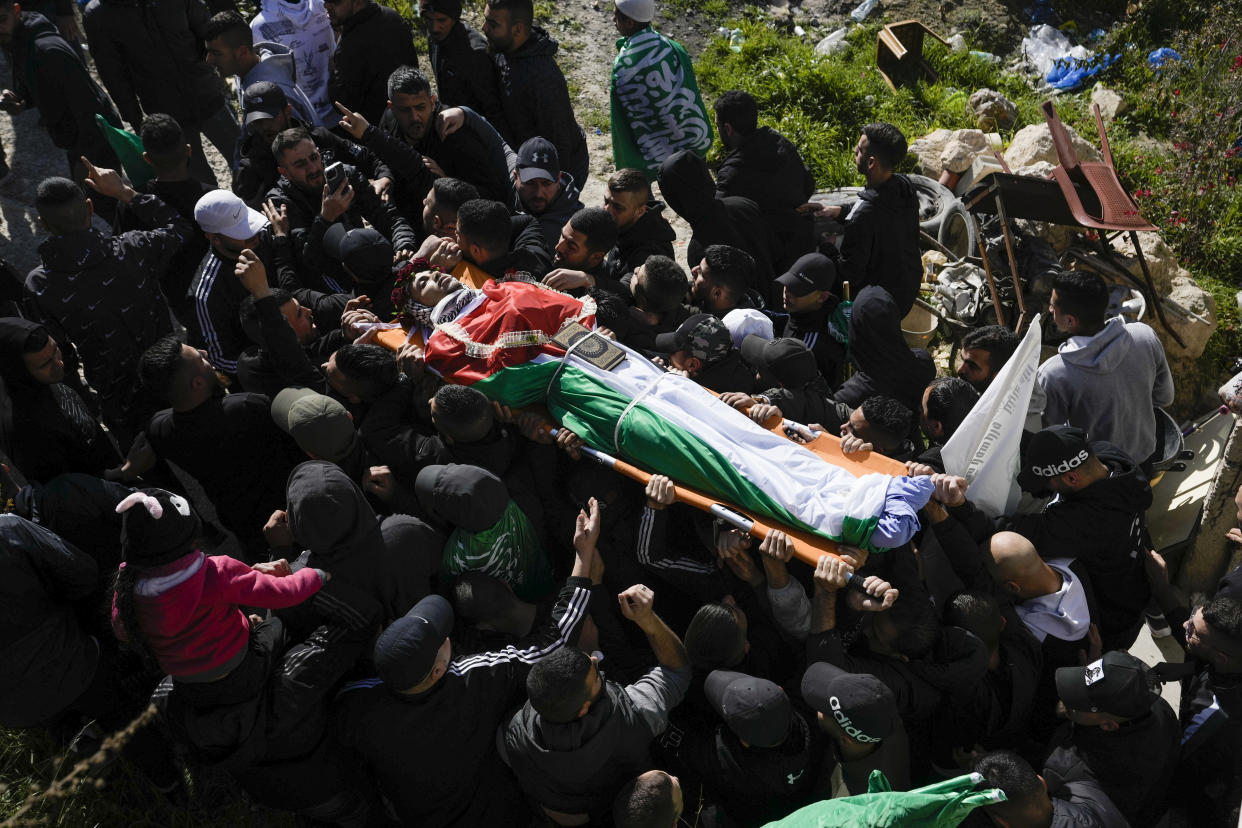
(157, 528)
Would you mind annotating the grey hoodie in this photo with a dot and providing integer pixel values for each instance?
(1107, 385)
(276, 64)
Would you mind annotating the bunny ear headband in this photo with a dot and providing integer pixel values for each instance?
(152, 505)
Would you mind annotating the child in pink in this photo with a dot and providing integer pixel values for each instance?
(185, 608)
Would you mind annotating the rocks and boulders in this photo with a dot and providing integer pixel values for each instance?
(1111, 103)
(992, 111)
(1034, 143)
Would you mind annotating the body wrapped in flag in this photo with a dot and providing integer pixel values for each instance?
(498, 341)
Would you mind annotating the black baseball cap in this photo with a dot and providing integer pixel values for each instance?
(406, 651)
(263, 100)
(538, 158)
(786, 360)
(702, 336)
(814, 271)
(364, 250)
(756, 710)
(859, 703)
(1051, 452)
(1118, 683)
(465, 496)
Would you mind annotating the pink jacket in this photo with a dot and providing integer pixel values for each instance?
(190, 610)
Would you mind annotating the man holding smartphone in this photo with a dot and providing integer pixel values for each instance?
(316, 198)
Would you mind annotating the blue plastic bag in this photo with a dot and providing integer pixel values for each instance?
(1161, 56)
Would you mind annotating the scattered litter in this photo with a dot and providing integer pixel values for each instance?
(1096, 35)
(736, 39)
(1062, 64)
(799, 31)
(1071, 73)
(833, 43)
(957, 43)
(1045, 45)
(986, 57)
(863, 9)
(1162, 56)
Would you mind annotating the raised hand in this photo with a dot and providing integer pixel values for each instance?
(278, 216)
(352, 122)
(250, 271)
(587, 526)
(107, 182)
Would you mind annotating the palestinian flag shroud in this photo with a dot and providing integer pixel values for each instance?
(499, 345)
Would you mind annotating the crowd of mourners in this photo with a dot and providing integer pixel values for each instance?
(433, 611)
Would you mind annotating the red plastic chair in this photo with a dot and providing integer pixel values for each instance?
(1102, 203)
(1112, 207)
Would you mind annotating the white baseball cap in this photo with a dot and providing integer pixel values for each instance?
(638, 10)
(222, 212)
(743, 322)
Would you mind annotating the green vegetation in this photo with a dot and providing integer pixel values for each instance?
(30, 763)
(710, 9)
(1177, 149)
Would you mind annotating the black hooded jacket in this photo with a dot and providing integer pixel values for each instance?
(52, 430)
(881, 242)
(576, 767)
(552, 219)
(464, 74)
(461, 782)
(687, 187)
(817, 331)
(651, 235)
(1103, 527)
(475, 153)
(1133, 764)
(373, 42)
(102, 294)
(150, 57)
(536, 102)
(277, 360)
(307, 227)
(230, 445)
(48, 74)
(182, 196)
(46, 659)
(257, 171)
(886, 364)
(754, 786)
(768, 169)
(392, 560)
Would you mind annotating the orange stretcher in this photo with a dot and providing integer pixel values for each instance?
(807, 546)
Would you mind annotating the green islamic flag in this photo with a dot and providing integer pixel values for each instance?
(656, 106)
(941, 805)
(508, 550)
(128, 148)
